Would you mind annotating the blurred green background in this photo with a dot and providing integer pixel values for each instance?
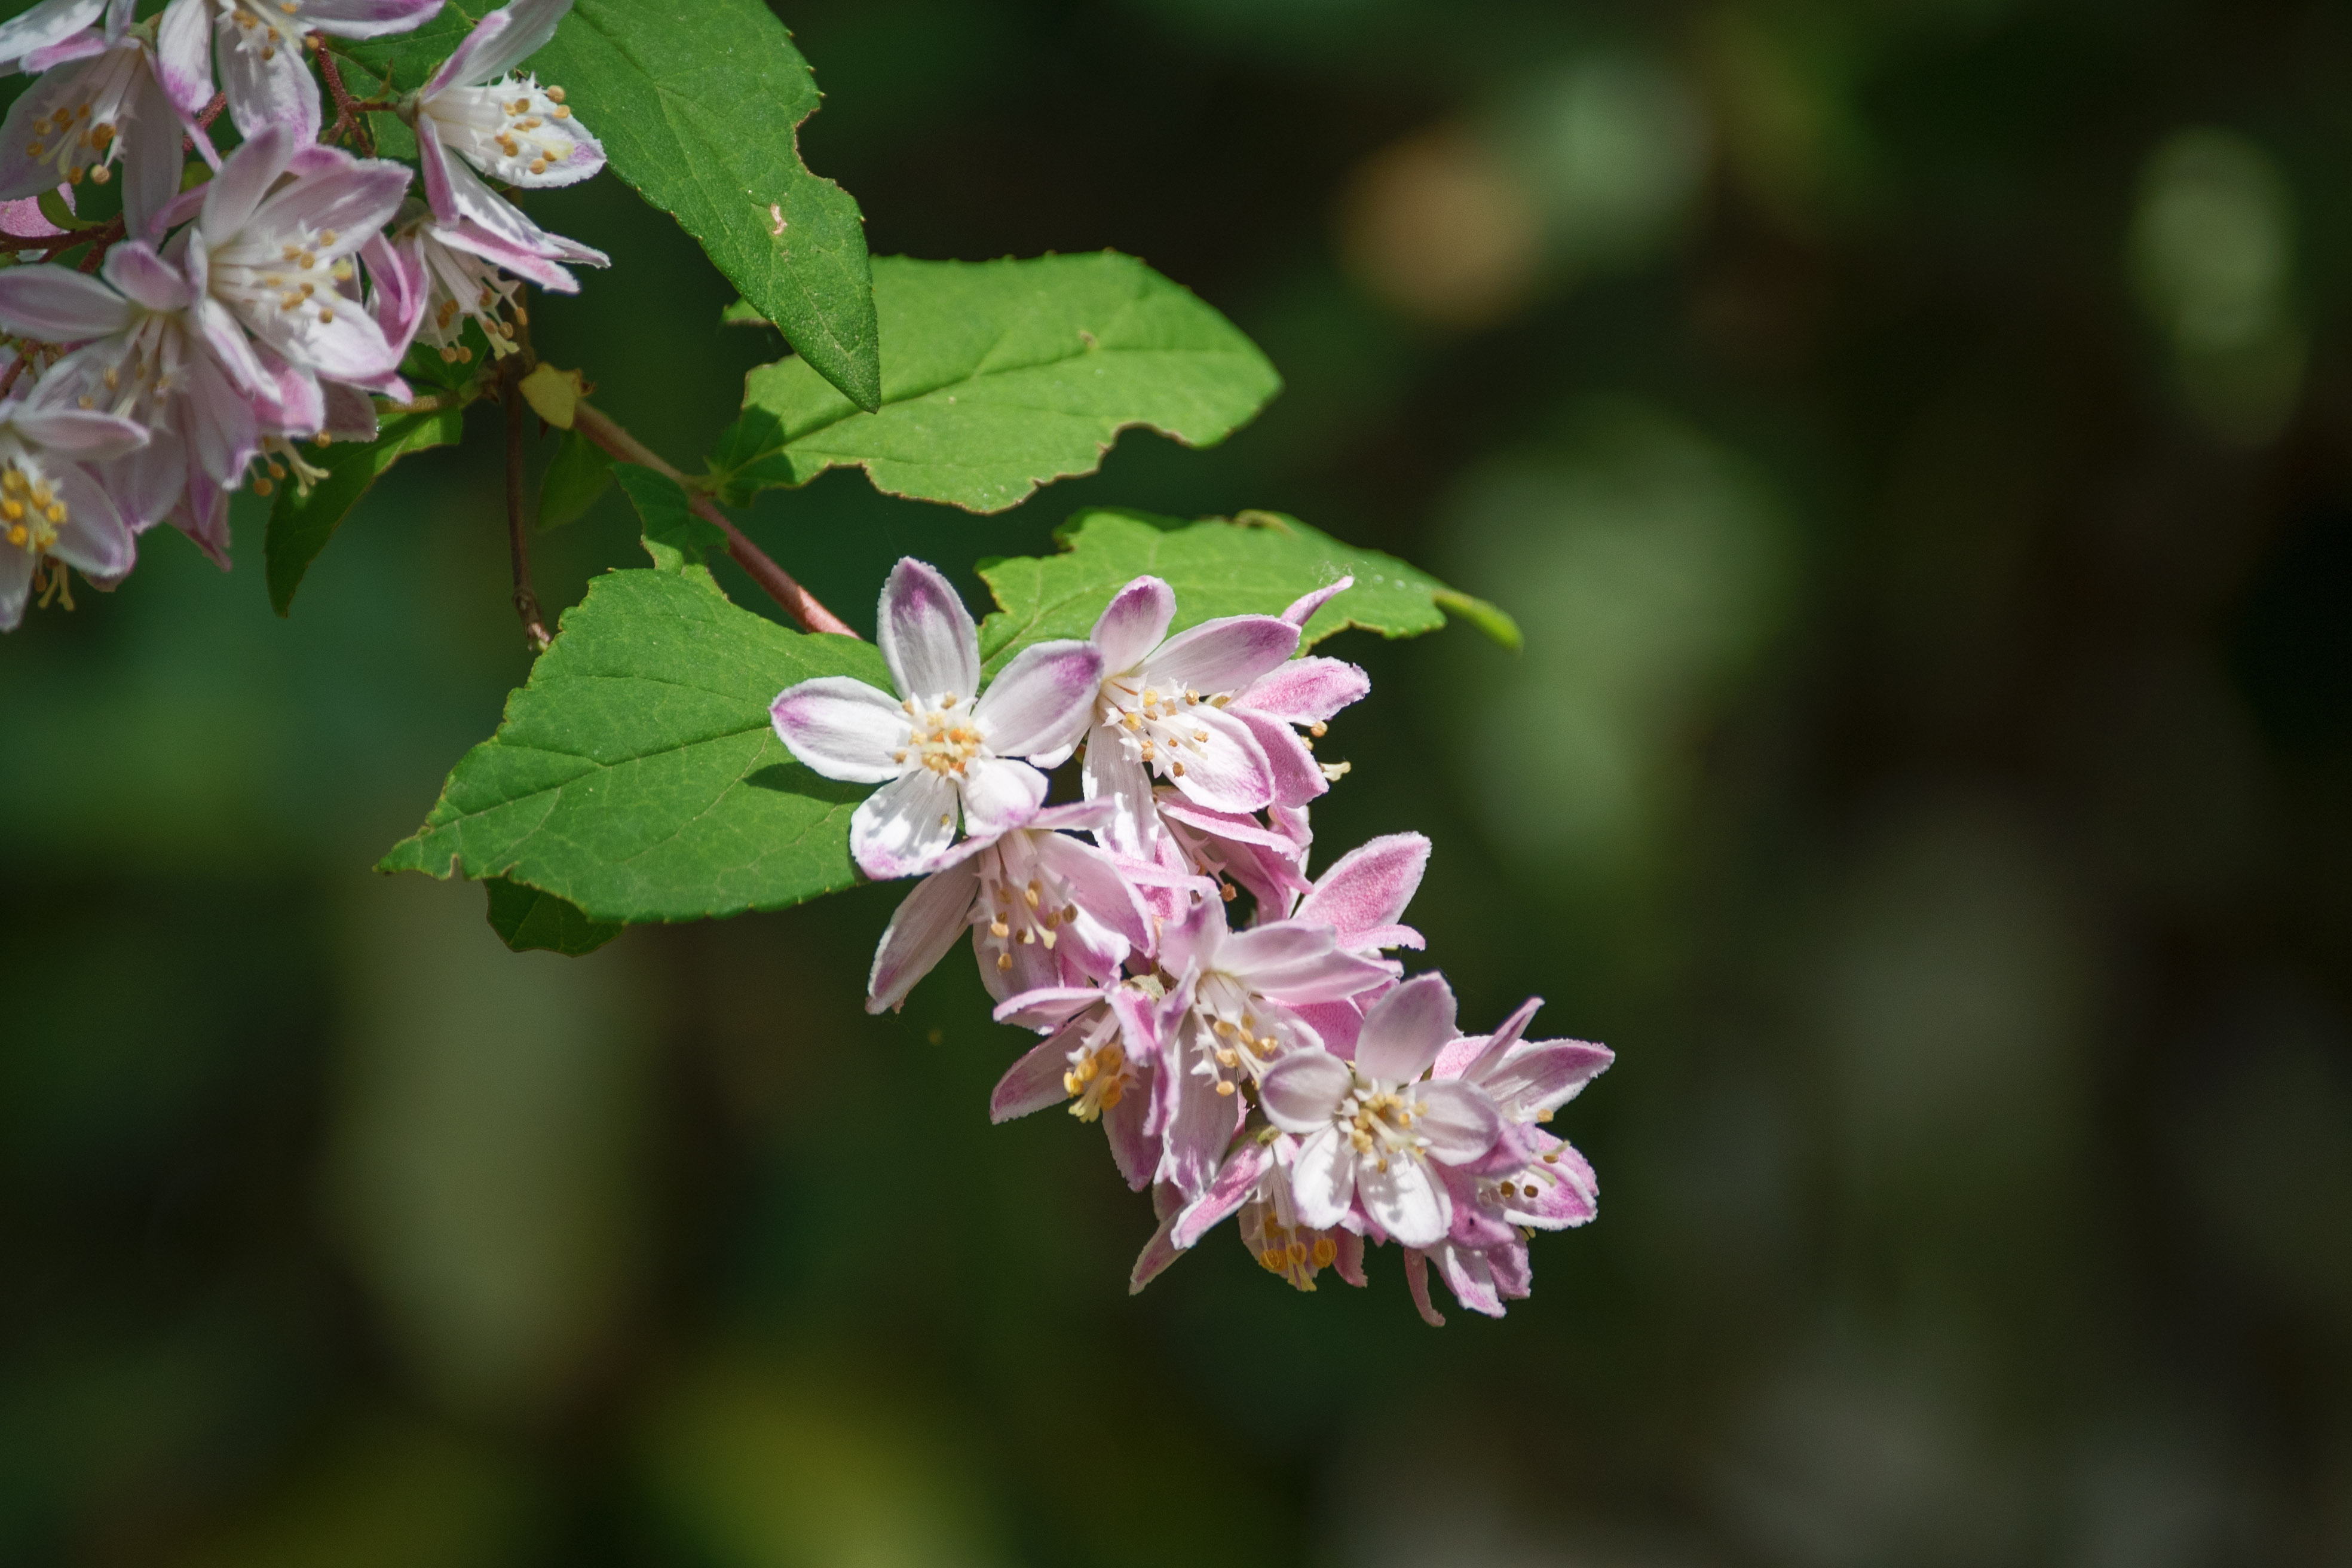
(1916, 437)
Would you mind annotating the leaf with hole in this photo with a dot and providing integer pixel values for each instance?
(529, 921)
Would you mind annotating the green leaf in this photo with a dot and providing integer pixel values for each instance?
(575, 477)
(300, 525)
(528, 920)
(674, 536)
(744, 313)
(699, 104)
(1001, 376)
(637, 777)
(1257, 565)
(402, 62)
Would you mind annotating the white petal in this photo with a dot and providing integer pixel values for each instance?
(999, 795)
(1323, 1178)
(1405, 1030)
(1460, 1122)
(841, 728)
(1301, 1093)
(906, 828)
(1407, 1200)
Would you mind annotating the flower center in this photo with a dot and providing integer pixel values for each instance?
(510, 127)
(466, 286)
(1240, 1043)
(1097, 1078)
(1025, 909)
(1379, 1122)
(291, 279)
(266, 26)
(1158, 728)
(82, 130)
(943, 738)
(31, 512)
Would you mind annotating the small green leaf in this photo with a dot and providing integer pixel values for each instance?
(744, 313)
(529, 921)
(402, 62)
(674, 536)
(393, 139)
(699, 104)
(575, 477)
(637, 778)
(1258, 564)
(1001, 376)
(53, 207)
(300, 525)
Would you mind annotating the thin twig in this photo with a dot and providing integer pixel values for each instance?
(526, 601)
(212, 111)
(797, 601)
(346, 119)
(23, 358)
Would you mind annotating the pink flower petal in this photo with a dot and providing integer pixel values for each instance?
(1133, 624)
(1461, 1123)
(927, 637)
(1301, 1093)
(1222, 655)
(1041, 701)
(841, 729)
(927, 923)
(1405, 1030)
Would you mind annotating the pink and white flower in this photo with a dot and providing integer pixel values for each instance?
(1102, 1056)
(228, 340)
(1254, 1183)
(1301, 694)
(258, 45)
(941, 747)
(49, 23)
(1372, 1130)
(105, 99)
(475, 111)
(1232, 848)
(1235, 1011)
(1044, 909)
(1529, 1181)
(53, 511)
(1161, 713)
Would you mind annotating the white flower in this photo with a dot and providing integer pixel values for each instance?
(1369, 1129)
(939, 747)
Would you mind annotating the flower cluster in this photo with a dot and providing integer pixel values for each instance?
(1284, 1072)
(243, 303)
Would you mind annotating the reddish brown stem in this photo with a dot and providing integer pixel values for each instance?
(797, 601)
(346, 119)
(16, 370)
(526, 599)
(212, 113)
